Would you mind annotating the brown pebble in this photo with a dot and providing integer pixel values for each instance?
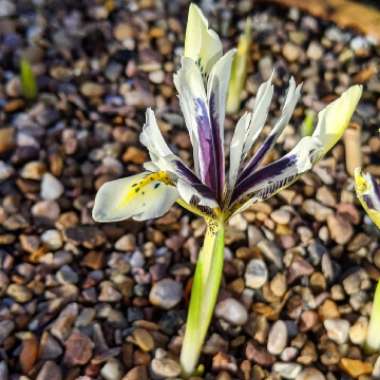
(137, 373)
(78, 349)
(28, 354)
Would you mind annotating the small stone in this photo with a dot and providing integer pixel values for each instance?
(126, 243)
(287, 370)
(298, 268)
(256, 274)
(278, 285)
(33, 170)
(49, 347)
(143, 339)
(52, 239)
(6, 134)
(19, 293)
(278, 338)
(310, 374)
(289, 354)
(28, 354)
(358, 332)
(91, 89)
(232, 311)
(258, 355)
(134, 155)
(5, 171)
(355, 368)
(46, 209)
(166, 293)
(337, 330)
(157, 77)
(4, 373)
(67, 276)
(281, 216)
(376, 369)
(78, 349)
(340, 229)
(7, 8)
(51, 187)
(137, 373)
(291, 52)
(314, 51)
(108, 292)
(165, 367)
(49, 371)
(6, 327)
(112, 370)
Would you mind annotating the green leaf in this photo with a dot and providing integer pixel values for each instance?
(239, 69)
(373, 336)
(28, 80)
(204, 293)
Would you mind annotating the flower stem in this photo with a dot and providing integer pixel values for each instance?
(206, 283)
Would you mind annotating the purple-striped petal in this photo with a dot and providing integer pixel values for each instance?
(267, 181)
(291, 100)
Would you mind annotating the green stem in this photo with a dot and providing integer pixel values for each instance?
(373, 335)
(206, 283)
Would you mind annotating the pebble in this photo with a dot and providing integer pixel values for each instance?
(19, 293)
(358, 331)
(166, 293)
(314, 51)
(278, 338)
(126, 243)
(376, 369)
(7, 8)
(49, 371)
(49, 347)
(137, 373)
(281, 216)
(165, 367)
(258, 355)
(92, 89)
(46, 209)
(232, 311)
(340, 229)
(143, 339)
(66, 275)
(355, 368)
(5, 171)
(4, 371)
(278, 284)
(287, 370)
(337, 330)
(51, 187)
(52, 239)
(6, 327)
(112, 370)
(310, 374)
(78, 349)
(256, 274)
(291, 52)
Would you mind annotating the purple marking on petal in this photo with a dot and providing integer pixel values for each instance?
(258, 156)
(368, 200)
(265, 174)
(218, 145)
(193, 180)
(208, 143)
(376, 187)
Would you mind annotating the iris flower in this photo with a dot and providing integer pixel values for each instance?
(207, 189)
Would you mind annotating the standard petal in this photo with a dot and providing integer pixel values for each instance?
(194, 104)
(248, 130)
(368, 192)
(217, 87)
(334, 119)
(292, 97)
(141, 196)
(267, 181)
(201, 43)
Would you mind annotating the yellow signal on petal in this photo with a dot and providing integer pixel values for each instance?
(201, 43)
(364, 189)
(142, 196)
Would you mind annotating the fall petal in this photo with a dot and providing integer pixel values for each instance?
(141, 196)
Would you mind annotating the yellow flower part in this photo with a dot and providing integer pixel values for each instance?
(333, 120)
(201, 43)
(368, 192)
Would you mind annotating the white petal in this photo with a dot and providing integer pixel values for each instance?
(191, 196)
(236, 147)
(217, 87)
(140, 197)
(334, 119)
(151, 136)
(201, 43)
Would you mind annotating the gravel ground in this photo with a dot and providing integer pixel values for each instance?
(85, 301)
